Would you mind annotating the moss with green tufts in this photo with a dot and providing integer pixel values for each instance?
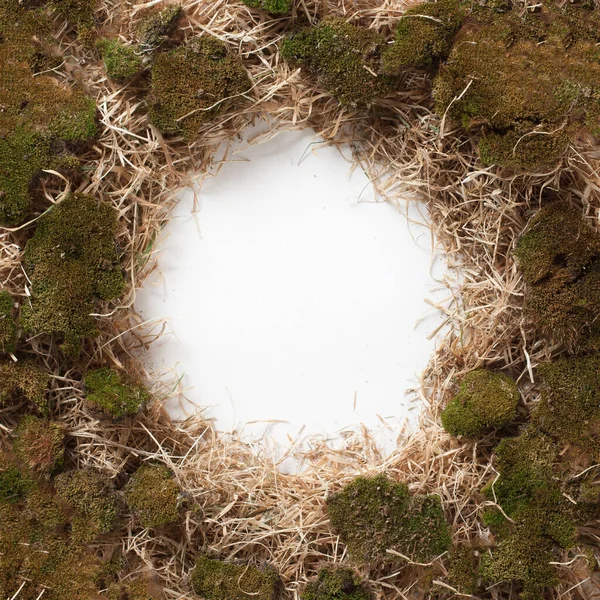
(152, 495)
(463, 569)
(485, 400)
(559, 256)
(423, 36)
(345, 58)
(275, 7)
(138, 589)
(524, 85)
(155, 29)
(219, 580)
(24, 381)
(373, 515)
(114, 394)
(72, 261)
(39, 446)
(93, 498)
(78, 13)
(121, 62)
(14, 485)
(8, 327)
(192, 84)
(336, 583)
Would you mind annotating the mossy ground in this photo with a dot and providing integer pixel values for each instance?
(372, 515)
(523, 85)
(218, 580)
(80, 14)
(463, 569)
(275, 7)
(155, 29)
(423, 36)
(192, 84)
(120, 61)
(336, 583)
(72, 262)
(40, 119)
(24, 381)
(92, 497)
(39, 445)
(8, 327)
(152, 494)
(559, 256)
(345, 58)
(114, 394)
(132, 590)
(485, 400)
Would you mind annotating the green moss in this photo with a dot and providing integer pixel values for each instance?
(336, 583)
(559, 256)
(423, 36)
(93, 498)
(38, 119)
(219, 580)
(372, 515)
(39, 445)
(23, 381)
(192, 84)
(79, 13)
(120, 61)
(569, 407)
(13, 484)
(345, 58)
(132, 590)
(275, 7)
(523, 85)
(155, 29)
(44, 512)
(152, 494)
(113, 393)
(8, 327)
(485, 400)
(463, 569)
(72, 262)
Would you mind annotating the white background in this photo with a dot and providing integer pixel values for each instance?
(293, 295)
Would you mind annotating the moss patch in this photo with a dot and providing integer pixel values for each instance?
(423, 36)
(39, 445)
(372, 515)
(155, 29)
(132, 590)
(463, 569)
(13, 484)
(120, 61)
(23, 381)
(78, 13)
(8, 327)
(336, 583)
(559, 256)
(152, 494)
(275, 7)
(113, 393)
(345, 58)
(93, 498)
(524, 86)
(192, 84)
(485, 400)
(219, 580)
(72, 262)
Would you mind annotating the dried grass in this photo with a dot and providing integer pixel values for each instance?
(239, 503)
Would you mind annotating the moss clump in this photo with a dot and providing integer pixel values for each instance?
(523, 86)
(485, 400)
(275, 7)
(423, 36)
(13, 484)
(346, 59)
(155, 29)
(152, 494)
(132, 590)
(569, 408)
(114, 394)
(120, 61)
(8, 327)
(336, 583)
(78, 13)
(23, 381)
(530, 493)
(219, 580)
(463, 569)
(93, 498)
(372, 515)
(192, 84)
(559, 256)
(72, 261)
(39, 445)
